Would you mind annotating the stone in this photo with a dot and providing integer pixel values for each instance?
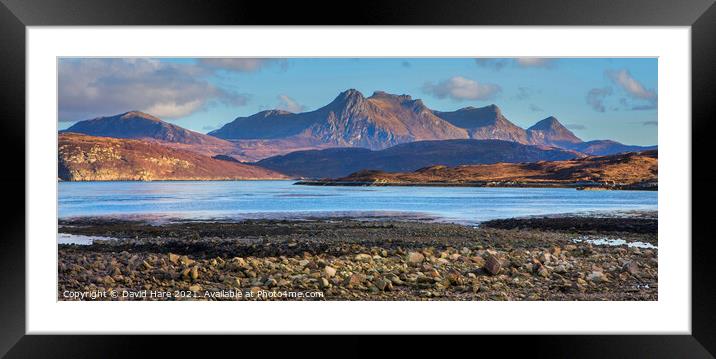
(329, 271)
(597, 277)
(353, 280)
(195, 288)
(560, 269)
(194, 273)
(174, 258)
(381, 284)
(362, 257)
(415, 258)
(543, 272)
(479, 261)
(492, 264)
(303, 262)
(631, 268)
(239, 262)
(455, 278)
(545, 258)
(186, 261)
(323, 283)
(146, 265)
(186, 273)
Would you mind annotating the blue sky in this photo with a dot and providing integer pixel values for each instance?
(597, 98)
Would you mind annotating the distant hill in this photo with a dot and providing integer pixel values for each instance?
(620, 171)
(143, 126)
(139, 125)
(336, 162)
(91, 158)
(607, 147)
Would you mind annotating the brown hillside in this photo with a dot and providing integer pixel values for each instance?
(621, 169)
(89, 158)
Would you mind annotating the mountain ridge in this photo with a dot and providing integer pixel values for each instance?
(377, 122)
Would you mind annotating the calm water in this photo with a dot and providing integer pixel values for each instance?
(281, 199)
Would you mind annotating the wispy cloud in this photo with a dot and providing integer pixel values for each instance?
(286, 103)
(535, 62)
(240, 64)
(460, 88)
(595, 98)
(575, 126)
(518, 62)
(99, 86)
(634, 89)
(535, 108)
(523, 93)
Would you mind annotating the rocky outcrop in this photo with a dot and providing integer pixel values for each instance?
(90, 158)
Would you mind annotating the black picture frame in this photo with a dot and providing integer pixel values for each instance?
(16, 15)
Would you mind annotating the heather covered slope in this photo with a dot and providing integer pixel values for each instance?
(90, 158)
(638, 169)
(337, 162)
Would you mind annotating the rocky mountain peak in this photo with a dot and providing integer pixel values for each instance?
(274, 112)
(384, 95)
(138, 114)
(549, 123)
(550, 131)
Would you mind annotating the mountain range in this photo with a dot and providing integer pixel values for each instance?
(385, 131)
(384, 120)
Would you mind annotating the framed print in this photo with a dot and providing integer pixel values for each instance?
(483, 169)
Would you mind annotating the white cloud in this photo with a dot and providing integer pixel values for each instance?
(288, 104)
(534, 62)
(632, 86)
(97, 87)
(460, 88)
(240, 64)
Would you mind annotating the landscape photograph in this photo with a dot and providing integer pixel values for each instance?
(357, 179)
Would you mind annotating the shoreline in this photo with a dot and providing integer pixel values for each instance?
(347, 259)
(491, 184)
